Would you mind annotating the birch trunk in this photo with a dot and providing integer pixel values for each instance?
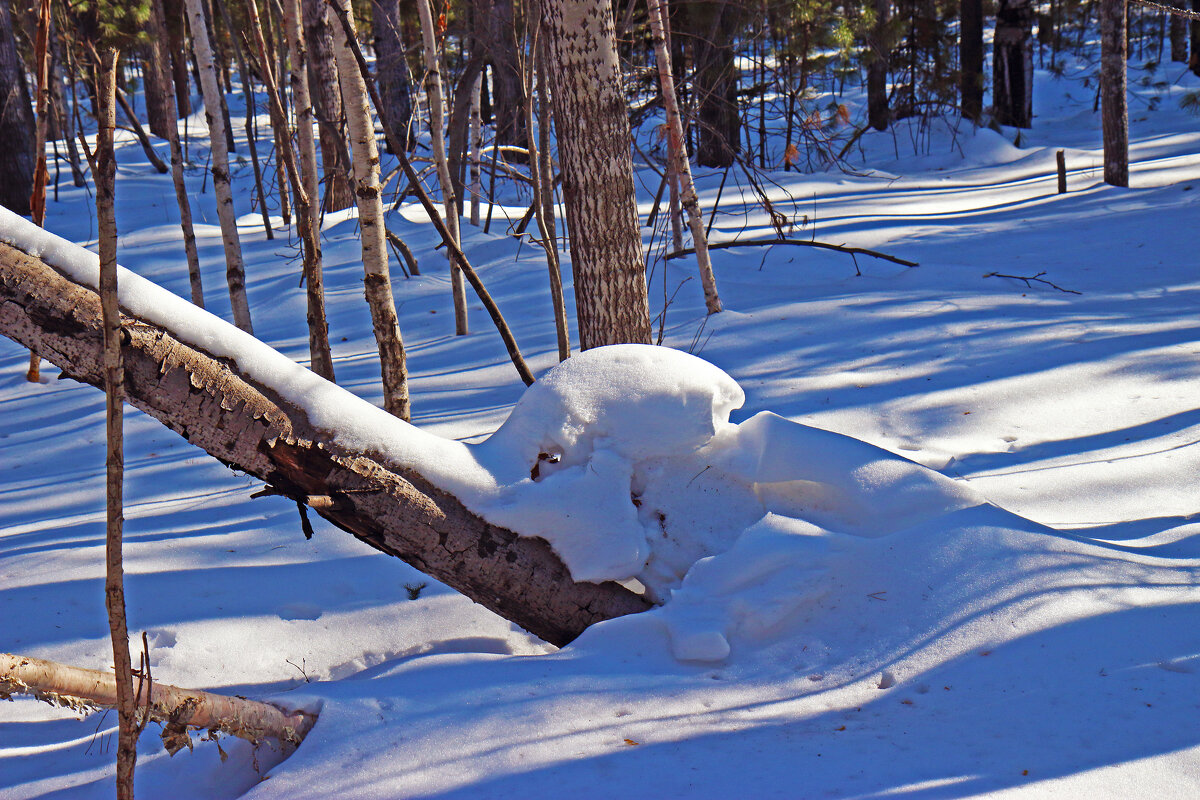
(327, 105)
(303, 187)
(474, 149)
(251, 429)
(114, 394)
(235, 271)
(593, 147)
(437, 112)
(678, 155)
(370, 219)
(158, 29)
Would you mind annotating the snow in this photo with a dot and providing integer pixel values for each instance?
(916, 533)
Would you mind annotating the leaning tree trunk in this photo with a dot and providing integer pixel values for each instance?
(1114, 113)
(372, 232)
(1012, 63)
(677, 152)
(437, 119)
(327, 105)
(970, 49)
(253, 429)
(392, 75)
(601, 206)
(235, 271)
(17, 127)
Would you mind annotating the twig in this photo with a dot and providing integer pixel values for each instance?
(799, 243)
(1028, 278)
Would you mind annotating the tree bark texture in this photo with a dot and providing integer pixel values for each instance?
(711, 26)
(593, 139)
(327, 105)
(85, 689)
(508, 95)
(41, 56)
(251, 429)
(173, 15)
(235, 270)
(392, 75)
(1012, 63)
(17, 126)
(1179, 34)
(878, 114)
(320, 358)
(377, 282)
(970, 53)
(678, 154)
(114, 396)
(1114, 112)
(160, 103)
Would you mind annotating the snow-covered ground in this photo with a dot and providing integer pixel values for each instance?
(1021, 624)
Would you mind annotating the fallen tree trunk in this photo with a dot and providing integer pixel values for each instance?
(178, 709)
(251, 428)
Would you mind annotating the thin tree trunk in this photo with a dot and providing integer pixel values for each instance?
(475, 147)
(158, 30)
(678, 155)
(601, 209)
(235, 272)
(433, 90)
(327, 105)
(41, 56)
(66, 119)
(114, 586)
(1114, 113)
(248, 94)
(543, 206)
(370, 219)
(303, 187)
(140, 132)
(280, 136)
(249, 427)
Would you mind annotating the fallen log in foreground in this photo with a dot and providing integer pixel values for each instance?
(251, 428)
(178, 709)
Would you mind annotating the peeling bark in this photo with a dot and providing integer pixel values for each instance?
(248, 427)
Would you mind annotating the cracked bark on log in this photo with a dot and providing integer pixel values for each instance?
(248, 427)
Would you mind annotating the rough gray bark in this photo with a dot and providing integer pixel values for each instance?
(235, 271)
(86, 689)
(1114, 113)
(327, 105)
(593, 139)
(250, 428)
(1012, 63)
(17, 127)
(372, 232)
(392, 74)
(970, 49)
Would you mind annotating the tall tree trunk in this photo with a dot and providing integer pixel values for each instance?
(327, 105)
(1179, 34)
(160, 105)
(377, 282)
(712, 26)
(878, 115)
(114, 380)
(508, 95)
(437, 111)
(41, 55)
(1012, 63)
(251, 428)
(1114, 114)
(17, 127)
(173, 15)
(970, 49)
(392, 75)
(1194, 28)
(601, 207)
(235, 271)
(678, 155)
(475, 148)
(158, 27)
(65, 118)
(303, 180)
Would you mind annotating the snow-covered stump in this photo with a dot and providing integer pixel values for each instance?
(235, 406)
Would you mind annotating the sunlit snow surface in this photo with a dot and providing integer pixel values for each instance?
(840, 621)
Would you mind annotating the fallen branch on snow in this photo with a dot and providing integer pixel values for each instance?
(800, 243)
(177, 709)
(1028, 278)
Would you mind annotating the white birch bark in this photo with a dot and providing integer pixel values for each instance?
(475, 148)
(235, 271)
